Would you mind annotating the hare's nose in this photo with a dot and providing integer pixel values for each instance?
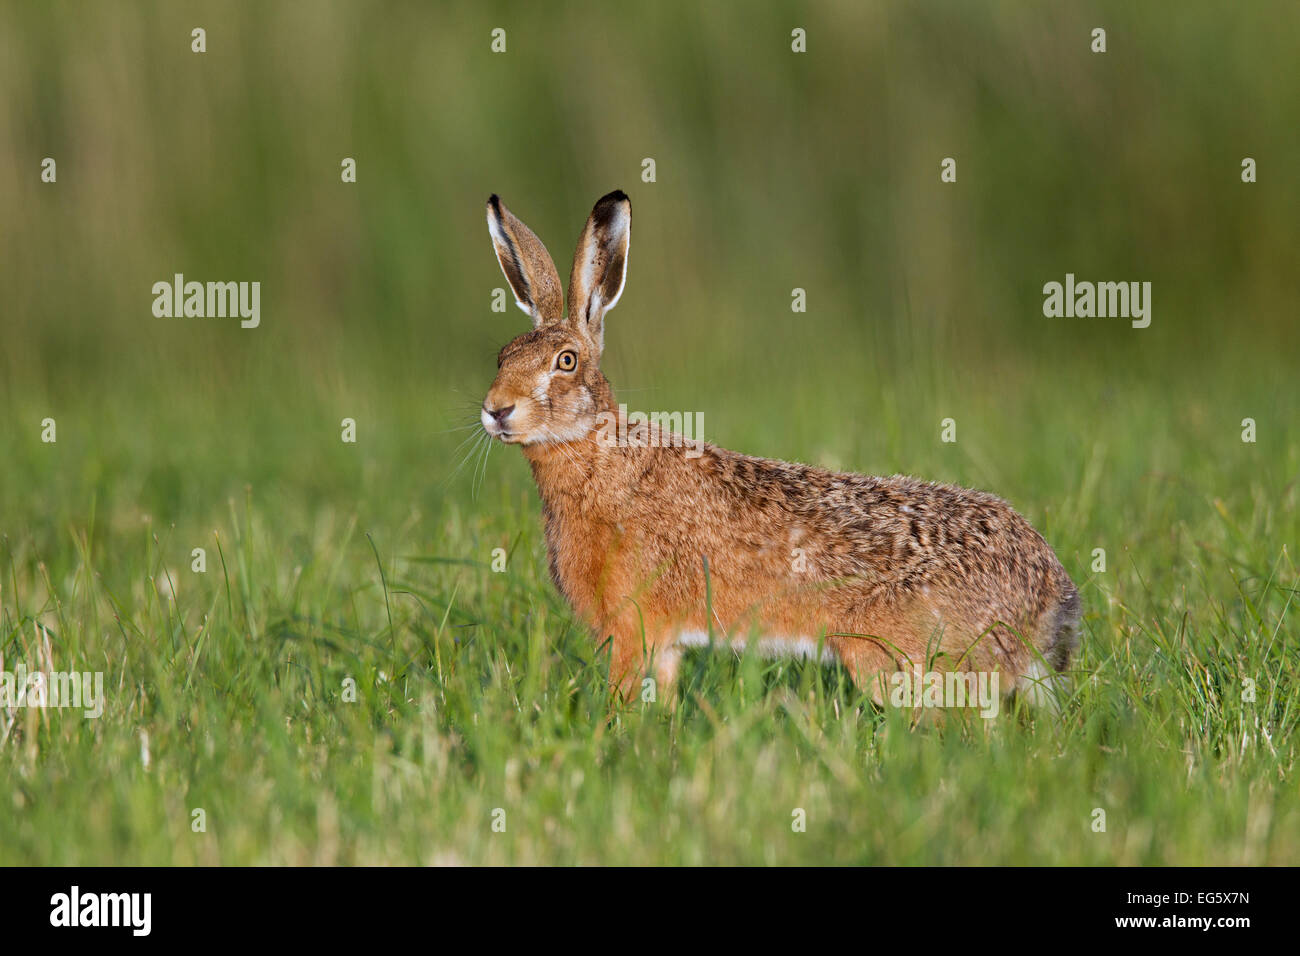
(500, 414)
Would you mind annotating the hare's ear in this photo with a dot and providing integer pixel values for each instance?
(600, 265)
(527, 265)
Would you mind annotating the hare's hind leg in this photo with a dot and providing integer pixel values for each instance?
(868, 661)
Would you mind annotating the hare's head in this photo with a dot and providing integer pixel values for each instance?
(549, 386)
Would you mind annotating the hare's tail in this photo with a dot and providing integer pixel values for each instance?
(1044, 682)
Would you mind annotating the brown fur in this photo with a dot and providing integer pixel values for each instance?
(894, 572)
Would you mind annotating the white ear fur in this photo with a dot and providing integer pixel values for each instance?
(526, 265)
(600, 265)
(501, 245)
(592, 269)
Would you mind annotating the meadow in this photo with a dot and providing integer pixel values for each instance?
(349, 681)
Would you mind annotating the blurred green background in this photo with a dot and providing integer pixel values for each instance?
(774, 170)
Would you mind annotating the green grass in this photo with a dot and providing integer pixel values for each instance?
(476, 690)
(479, 690)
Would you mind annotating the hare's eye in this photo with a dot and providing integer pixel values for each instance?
(566, 361)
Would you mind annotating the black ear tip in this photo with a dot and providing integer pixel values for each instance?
(616, 196)
(494, 203)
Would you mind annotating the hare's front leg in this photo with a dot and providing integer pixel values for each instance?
(635, 654)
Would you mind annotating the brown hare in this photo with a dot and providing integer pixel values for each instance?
(657, 548)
